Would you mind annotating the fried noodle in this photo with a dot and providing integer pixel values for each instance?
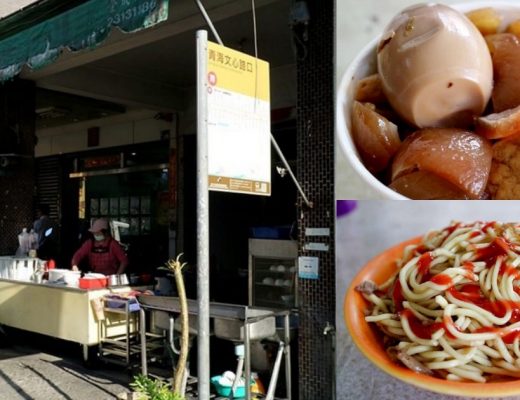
(453, 306)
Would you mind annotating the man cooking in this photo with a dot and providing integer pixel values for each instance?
(105, 254)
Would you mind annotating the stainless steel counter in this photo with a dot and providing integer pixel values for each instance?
(217, 310)
(251, 322)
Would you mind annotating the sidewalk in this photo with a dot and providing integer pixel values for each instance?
(35, 367)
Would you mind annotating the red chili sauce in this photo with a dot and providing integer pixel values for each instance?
(425, 329)
(498, 247)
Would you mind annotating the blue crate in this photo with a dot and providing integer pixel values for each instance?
(240, 391)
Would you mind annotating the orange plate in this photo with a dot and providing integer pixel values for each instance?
(368, 339)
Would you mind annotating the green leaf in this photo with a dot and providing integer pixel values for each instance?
(154, 389)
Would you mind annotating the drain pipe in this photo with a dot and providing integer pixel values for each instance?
(330, 332)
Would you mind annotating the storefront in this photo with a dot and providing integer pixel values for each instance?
(115, 137)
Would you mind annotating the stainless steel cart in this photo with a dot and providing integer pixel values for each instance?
(118, 349)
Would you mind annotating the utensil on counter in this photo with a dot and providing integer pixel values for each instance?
(37, 277)
(118, 280)
(123, 279)
(113, 280)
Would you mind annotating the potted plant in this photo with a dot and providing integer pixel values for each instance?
(152, 389)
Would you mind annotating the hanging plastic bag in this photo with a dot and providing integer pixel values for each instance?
(24, 243)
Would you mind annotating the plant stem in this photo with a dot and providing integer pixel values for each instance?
(183, 356)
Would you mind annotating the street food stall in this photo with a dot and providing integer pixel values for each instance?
(57, 309)
(104, 168)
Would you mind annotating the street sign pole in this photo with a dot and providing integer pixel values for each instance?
(202, 217)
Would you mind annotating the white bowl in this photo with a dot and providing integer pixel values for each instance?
(363, 65)
(268, 281)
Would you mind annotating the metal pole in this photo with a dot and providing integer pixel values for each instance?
(247, 359)
(288, 374)
(276, 370)
(208, 21)
(288, 168)
(202, 216)
(142, 329)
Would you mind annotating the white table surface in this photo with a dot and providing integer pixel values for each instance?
(372, 227)
(358, 22)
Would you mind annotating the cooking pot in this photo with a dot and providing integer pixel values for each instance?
(117, 280)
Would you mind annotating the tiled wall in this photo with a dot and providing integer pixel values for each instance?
(316, 174)
(17, 185)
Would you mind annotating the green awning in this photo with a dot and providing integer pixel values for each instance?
(82, 27)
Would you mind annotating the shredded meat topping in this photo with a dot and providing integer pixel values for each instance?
(367, 287)
(411, 363)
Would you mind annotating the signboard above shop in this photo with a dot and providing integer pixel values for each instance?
(80, 28)
(239, 122)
